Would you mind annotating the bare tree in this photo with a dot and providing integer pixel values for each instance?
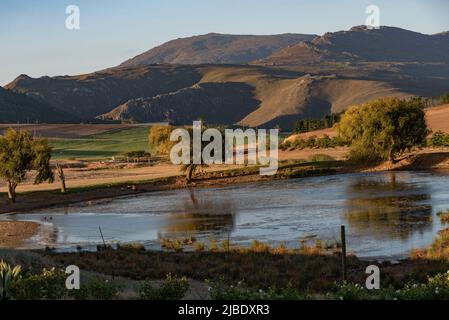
(61, 176)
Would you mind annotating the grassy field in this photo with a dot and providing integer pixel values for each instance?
(101, 146)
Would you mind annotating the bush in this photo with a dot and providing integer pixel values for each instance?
(8, 275)
(172, 288)
(96, 289)
(313, 142)
(444, 216)
(350, 291)
(439, 139)
(436, 288)
(220, 290)
(49, 285)
(137, 154)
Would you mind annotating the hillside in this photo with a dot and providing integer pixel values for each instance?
(359, 44)
(89, 95)
(214, 48)
(306, 80)
(212, 102)
(16, 107)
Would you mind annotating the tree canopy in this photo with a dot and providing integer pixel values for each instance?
(384, 128)
(20, 152)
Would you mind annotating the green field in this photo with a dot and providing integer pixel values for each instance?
(101, 146)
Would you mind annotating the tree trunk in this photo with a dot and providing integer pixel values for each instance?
(190, 173)
(61, 178)
(12, 191)
(63, 188)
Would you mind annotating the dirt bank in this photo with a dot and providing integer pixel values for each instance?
(13, 233)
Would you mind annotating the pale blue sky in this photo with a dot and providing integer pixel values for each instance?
(34, 39)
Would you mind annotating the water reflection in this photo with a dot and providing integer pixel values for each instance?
(387, 207)
(203, 216)
(387, 214)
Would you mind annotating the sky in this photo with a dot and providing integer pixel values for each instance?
(34, 39)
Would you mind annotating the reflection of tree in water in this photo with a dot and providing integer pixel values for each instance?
(202, 216)
(387, 208)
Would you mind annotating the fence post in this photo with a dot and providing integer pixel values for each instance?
(343, 253)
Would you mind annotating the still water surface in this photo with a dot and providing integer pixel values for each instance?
(386, 214)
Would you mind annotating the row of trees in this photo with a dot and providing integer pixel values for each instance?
(308, 125)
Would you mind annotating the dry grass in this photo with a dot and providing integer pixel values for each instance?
(260, 269)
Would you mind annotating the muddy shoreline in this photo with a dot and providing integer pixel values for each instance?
(14, 233)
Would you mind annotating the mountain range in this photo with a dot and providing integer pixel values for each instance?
(261, 81)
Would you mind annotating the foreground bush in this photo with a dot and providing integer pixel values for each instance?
(436, 288)
(49, 285)
(97, 289)
(221, 290)
(172, 288)
(8, 275)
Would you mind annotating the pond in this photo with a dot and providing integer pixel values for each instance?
(386, 214)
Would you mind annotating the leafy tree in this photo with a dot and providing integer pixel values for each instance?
(384, 128)
(20, 153)
(159, 139)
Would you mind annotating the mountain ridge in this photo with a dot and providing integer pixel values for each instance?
(307, 79)
(216, 48)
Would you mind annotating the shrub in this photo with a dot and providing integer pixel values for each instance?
(97, 289)
(8, 276)
(314, 142)
(221, 290)
(137, 154)
(444, 216)
(49, 285)
(439, 139)
(199, 247)
(350, 291)
(172, 288)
